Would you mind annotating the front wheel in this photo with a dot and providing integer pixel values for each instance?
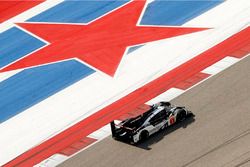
(181, 116)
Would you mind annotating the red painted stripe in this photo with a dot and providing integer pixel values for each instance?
(246, 48)
(241, 52)
(135, 112)
(11, 8)
(77, 146)
(192, 81)
(68, 151)
(131, 101)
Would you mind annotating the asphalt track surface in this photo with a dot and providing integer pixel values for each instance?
(219, 134)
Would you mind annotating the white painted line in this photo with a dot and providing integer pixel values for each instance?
(28, 14)
(52, 161)
(231, 60)
(101, 133)
(212, 70)
(221, 14)
(221, 65)
(166, 96)
(6, 75)
(226, 62)
(106, 128)
(98, 135)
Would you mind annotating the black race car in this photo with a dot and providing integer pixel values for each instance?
(159, 116)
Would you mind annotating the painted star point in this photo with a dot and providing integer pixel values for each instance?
(100, 44)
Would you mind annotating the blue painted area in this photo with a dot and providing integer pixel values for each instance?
(77, 11)
(175, 13)
(133, 48)
(16, 44)
(34, 85)
(31, 86)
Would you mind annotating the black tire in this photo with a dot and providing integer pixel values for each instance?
(181, 115)
(144, 135)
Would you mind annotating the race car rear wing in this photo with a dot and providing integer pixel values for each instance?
(113, 129)
(116, 128)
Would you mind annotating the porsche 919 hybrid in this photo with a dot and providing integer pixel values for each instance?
(158, 117)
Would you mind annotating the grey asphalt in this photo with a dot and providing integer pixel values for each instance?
(218, 136)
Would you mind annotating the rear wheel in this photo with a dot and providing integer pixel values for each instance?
(181, 116)
(144, 135)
